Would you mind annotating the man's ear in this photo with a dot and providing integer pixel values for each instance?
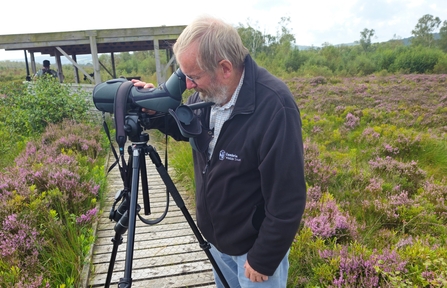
(226, 67)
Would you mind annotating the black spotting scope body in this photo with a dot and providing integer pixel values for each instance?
(162, 98)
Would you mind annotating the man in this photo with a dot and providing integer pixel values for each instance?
(248, 161)
(46, 70)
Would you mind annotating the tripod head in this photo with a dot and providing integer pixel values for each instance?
(133, 126)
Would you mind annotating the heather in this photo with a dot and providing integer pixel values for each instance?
(48, 201)
(27, 108)
(376, 165)
(51, 184)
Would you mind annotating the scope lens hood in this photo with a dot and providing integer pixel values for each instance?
(187, 121)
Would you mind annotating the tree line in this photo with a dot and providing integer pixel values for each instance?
(425, 54)
(280, 54)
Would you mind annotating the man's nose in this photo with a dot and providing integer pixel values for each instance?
(190, 84)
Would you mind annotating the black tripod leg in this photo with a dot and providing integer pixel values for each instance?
(117, 240)
(144, 186)
(126, 281)
(179, 201)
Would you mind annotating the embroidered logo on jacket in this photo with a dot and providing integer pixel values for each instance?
(228, 156)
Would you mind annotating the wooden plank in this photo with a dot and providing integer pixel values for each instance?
(147, 262)
(161, 244)
(162, 230)
(164, 255)
(204, 280)
(145, 254)
(156, 272)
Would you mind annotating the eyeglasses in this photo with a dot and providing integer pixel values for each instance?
(193, 80)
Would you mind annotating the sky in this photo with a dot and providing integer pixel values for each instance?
(313, 22)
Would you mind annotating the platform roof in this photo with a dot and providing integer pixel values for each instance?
(94, 42)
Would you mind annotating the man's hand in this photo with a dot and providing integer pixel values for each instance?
(254, 276)
(141, 84)
(138, 83)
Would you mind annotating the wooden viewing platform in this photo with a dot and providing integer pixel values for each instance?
(165, 255)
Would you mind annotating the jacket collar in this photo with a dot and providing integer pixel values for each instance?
(246, 101)
(245, 104)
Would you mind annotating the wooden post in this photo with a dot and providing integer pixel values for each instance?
(76, 70)
(160, 78)
(95, 59)
(33, 63)
(112, 57)
(60, 72)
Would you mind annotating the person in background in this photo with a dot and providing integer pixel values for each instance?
(248, 160)
(46, 70)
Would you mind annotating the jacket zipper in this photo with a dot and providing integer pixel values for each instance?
(206, 168)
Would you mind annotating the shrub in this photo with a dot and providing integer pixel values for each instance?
(310, 70)
(40, 103)
(441, 65)
(408, 174)
(362, 65)
(317, 172)
(418, 60)
(385, 59)
(325, 219)
(48, 201)
(427, 263)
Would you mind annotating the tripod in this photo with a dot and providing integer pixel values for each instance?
(126, 214)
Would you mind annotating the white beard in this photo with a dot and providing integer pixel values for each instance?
(217, 94)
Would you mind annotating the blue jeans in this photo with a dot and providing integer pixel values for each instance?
(232, 268)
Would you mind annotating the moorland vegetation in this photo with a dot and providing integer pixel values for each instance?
(374, 125)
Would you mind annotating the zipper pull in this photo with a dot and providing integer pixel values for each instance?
(205, 169)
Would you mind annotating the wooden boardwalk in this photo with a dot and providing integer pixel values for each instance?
(165, 255)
